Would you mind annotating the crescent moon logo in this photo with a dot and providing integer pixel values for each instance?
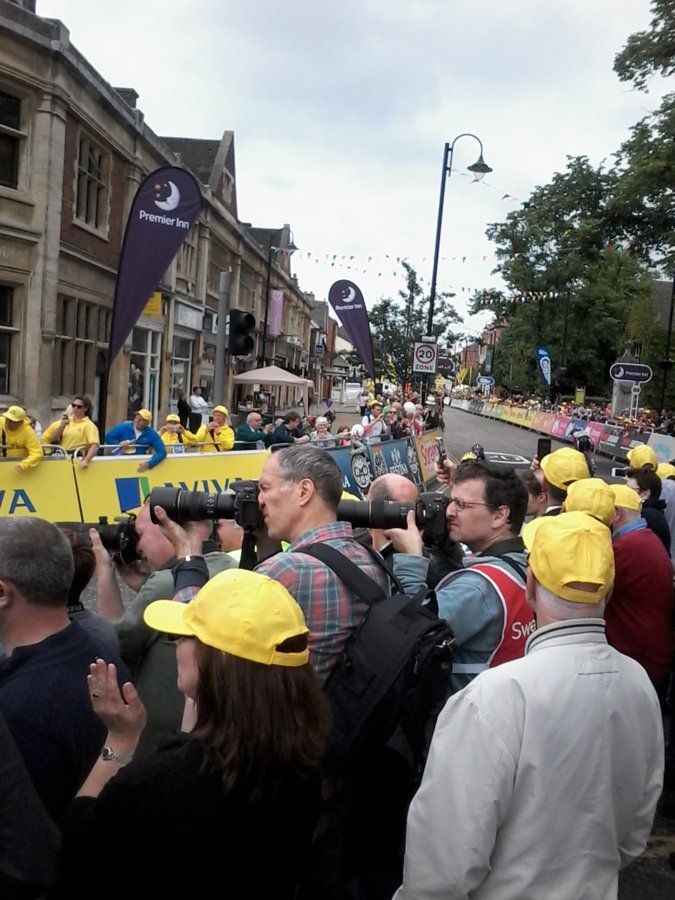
(169, 202)
(350, 296)
(619, 372)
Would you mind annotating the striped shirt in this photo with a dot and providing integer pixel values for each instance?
(331, 610)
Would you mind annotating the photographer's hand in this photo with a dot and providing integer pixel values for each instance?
(406, 540)
(446, 473)
(185, 539)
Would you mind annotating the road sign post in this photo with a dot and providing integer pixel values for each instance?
(425, 358)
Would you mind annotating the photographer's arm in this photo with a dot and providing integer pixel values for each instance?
(109, 601)
(188, 575)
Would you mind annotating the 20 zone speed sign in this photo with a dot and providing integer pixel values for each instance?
(425, 357)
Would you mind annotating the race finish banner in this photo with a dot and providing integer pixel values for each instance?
(166, 206)
(347, 301)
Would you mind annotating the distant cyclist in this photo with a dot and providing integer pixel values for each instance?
(477, 449)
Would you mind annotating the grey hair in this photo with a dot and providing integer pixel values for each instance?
(560, 609)
(37, 559)
(302, 461)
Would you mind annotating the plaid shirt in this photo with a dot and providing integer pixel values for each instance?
(331, 611)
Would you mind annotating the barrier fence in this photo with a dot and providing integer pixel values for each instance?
(57, 489)
(612, 440)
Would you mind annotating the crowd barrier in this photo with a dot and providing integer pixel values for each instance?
(59, 490)
(611, 440)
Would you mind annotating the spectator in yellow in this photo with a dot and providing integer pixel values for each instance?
(75, 431)
(172, 432)
(216, 435)
(19, 440)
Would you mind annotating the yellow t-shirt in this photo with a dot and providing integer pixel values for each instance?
(80, 433)
(22, 442)
(223, 436)
(171, 437)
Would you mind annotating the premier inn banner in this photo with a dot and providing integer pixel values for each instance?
(166, 206)
(347, 301)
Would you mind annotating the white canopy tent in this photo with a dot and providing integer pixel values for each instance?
(274, 375)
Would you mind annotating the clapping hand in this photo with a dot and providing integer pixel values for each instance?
(122, 713)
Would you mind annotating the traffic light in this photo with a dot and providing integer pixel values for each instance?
(242, 330)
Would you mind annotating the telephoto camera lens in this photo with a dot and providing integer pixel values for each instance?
(191, 506)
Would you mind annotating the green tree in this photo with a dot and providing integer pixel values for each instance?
(652, 51)
(396, 323)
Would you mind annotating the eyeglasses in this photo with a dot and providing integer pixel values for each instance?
(462, 504)
(77, 405)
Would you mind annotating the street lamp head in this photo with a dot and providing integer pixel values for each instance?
(479, 169)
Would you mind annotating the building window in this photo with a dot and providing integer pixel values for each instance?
(81, 329)
(144, 371)
(91, 202)
(181, 367)
(10, 138)
(7, 332)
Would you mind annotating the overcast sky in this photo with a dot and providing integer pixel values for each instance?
(340, 112)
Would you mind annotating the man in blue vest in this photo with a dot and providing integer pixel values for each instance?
(139, 432)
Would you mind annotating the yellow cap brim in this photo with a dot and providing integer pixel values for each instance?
(168, 616)
(529, 531)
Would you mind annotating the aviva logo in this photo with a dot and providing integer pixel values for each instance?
(132, 492)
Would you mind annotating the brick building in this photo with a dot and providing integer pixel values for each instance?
(73, 151)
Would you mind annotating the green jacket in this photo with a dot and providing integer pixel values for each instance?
(152, 659)
(248, 434)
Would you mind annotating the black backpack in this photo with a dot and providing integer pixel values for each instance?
(392, 679)
(386, 692)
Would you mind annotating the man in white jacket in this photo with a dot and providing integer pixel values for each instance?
(544, 773)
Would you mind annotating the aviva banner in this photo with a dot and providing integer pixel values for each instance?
(48, 491)
(111, 486)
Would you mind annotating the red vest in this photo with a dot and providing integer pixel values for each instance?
(519, 621)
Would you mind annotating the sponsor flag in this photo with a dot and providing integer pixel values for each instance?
(544, 360)
(166, 206)
(347, 301)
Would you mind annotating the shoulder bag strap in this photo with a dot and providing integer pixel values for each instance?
(4, 441)
(516, 566)
(356, 580)
(382, 563)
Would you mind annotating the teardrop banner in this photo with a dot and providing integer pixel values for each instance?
(347, 301)
(166, 206)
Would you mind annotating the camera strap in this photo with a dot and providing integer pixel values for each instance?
(215, 442)
(4, 442)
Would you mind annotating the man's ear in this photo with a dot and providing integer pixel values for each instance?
(307, 491)
(530, 590)
(6, 594)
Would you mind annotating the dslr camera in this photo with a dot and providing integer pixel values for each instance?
(120, 538)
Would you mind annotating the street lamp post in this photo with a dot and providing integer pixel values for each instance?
(479, 170)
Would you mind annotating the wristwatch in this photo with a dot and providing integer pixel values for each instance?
(109, 755)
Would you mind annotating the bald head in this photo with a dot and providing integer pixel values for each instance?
(393, 487)
(254, 420)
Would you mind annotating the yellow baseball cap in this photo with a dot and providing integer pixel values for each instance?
(665, 470)
(570, 550)
(592, 496)
(172, 417)
(221, 409)
(345, 495)
(239, 612)
(468, 456)
(16, 414)
(145, 414)
(563, 467)
(626, 497)
(642, 455)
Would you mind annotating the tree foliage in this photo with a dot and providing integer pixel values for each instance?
(396, 323)
(595, 236)
(652, 51)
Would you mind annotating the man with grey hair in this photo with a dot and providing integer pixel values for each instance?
(43, 677)
(544, 773)
(300, 488)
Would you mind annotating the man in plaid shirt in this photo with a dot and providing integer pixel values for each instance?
(300, 489)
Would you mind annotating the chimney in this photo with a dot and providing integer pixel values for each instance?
(129, 96)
